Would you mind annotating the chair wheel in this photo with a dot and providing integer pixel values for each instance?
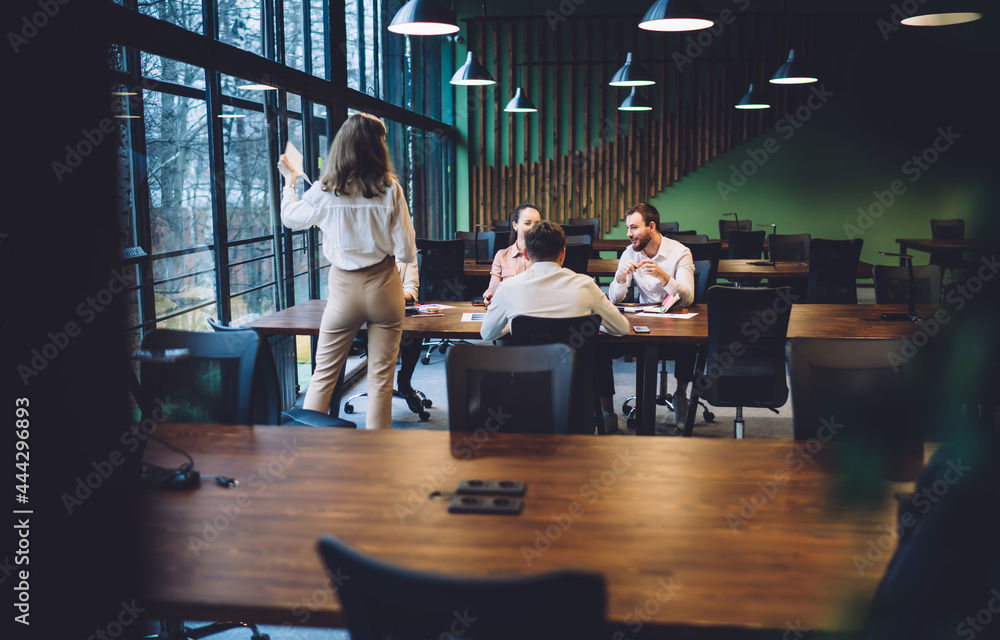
(424, 416)
(425, 360)
(709, 416)
(443, 349)
(427, 403)
(625, 408)
(630, 423)
(348, 408)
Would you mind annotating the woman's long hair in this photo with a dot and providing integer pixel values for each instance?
(359, 161)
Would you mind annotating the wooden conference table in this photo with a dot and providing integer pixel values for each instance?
(931, 245)
(666, 523)
(852, 322)
(734, 270)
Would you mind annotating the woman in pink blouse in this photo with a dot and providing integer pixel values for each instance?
(513, 260)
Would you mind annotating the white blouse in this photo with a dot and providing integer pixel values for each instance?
(358, 232)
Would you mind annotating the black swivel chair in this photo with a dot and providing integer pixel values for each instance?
(383, 601)
(833, 271)
(486, 240)
(793, 248)
(710, 251)
(752, 375)
(213, 383)
(892, 284)
(579, 333)
(745, 245)
(442, 278)
(267, 407)
(577, 257)
(578, 240)
(502, 230)
(953, 229)
(704, 277)
(725, 226)
(510, 389)
(593, 223)
(578, 230)
(669, 227)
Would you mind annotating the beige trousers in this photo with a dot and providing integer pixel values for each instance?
(373, 295)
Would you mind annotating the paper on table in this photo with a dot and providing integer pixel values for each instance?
(295, 160)
(435, 306)
(473, 317)
(682, 316)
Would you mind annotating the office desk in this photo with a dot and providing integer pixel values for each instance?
(304, 319)
(736, 270)
(650, 515)
(930, 245)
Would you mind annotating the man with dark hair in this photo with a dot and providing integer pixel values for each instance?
(659, 267)
(548, 290)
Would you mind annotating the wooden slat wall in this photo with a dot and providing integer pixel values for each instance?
(612, 159)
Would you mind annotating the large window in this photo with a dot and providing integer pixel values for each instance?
(200, 227)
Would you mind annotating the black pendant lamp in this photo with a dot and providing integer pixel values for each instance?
(631, 74)
(520, 104)
(635, 102)
(675, 15)
(472, 73)
(752, 100)
(791, 72)
(423, 18)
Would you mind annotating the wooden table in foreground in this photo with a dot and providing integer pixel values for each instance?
(695, 537)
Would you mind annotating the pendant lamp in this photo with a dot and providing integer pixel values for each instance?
(520, 104)
(791, 72)
(635, 102)
(752, 100)
(675, 15)
(631, 74)
(472, 73)
(423, 18)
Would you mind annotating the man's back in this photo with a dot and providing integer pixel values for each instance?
(549, 291)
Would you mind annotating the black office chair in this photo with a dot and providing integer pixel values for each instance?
(416, 401)
(578, 240)
(704, 277)
(442, 279)
(212, 383)
(383, 601)
(578, 230)
(510, 389)
(669, 227)
(745, 245)
(953, 229)
(853, 385)
(790, 247)
(752, 375)
(580, 334)
(725, 226)
(577, 257)
(833, 271)
(267, 407)
(502, 230)
(593, 223)
(478, 246)
(710, 251)
(892, 284)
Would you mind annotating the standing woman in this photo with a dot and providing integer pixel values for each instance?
(514, 259)
(359, 206)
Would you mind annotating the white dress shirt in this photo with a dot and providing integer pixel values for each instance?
(358, 232)
(549, 291)
(674, 258)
